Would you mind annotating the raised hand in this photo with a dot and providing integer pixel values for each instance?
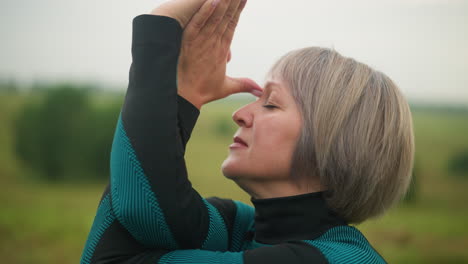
(205, 50)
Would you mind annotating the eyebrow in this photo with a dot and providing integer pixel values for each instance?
(270, 85)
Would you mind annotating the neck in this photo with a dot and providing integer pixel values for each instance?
(265, 189)
(290, 218)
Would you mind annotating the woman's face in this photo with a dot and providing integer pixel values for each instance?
(270, 127)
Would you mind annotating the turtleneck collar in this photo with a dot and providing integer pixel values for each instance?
(289, 218)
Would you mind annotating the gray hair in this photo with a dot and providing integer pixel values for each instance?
(357, 134)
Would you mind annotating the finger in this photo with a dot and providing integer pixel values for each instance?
(229, 56)
(228, 16)
(231, 28)
(198, 20)
(257, 93)
(242, 85)
(215, 18)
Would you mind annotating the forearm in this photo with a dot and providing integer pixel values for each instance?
(151, 194)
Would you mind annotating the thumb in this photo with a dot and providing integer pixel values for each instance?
(242, 85)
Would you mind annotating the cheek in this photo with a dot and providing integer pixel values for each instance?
(275, 141)
(277, 133)
(270, 153)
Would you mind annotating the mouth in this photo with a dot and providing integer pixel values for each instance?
(238, 142)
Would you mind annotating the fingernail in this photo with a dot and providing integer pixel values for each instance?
(215, 2)
(256, 92)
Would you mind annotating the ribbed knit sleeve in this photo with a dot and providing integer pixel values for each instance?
(150, 191)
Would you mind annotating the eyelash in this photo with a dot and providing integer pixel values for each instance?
(269, 106)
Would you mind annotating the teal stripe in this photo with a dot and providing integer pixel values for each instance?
(201, 257)
(133, 201)
(244, 220)
(102, 221)
(217, 237)
(346, 244)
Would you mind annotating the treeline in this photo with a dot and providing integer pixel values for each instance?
(64, 132)
(457, 109)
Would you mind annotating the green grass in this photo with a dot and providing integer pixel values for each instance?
(49, 223)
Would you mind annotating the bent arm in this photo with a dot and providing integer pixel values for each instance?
(150, 192)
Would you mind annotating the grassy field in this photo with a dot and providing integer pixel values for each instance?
(49, 223)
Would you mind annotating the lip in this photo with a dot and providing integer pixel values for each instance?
(238, 143)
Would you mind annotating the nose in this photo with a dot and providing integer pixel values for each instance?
(243, 116)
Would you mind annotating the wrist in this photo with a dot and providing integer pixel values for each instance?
(194, 99)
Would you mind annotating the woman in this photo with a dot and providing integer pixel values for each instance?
(329, 142)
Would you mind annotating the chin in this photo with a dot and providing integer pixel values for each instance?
(227, 170)
(230, 170)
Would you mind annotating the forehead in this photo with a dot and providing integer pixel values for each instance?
(276, 86)
(271, 85)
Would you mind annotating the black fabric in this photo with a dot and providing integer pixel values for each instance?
(187, 116)
(300, 217)
(118, 246)
(157, 132)
(228, 209)
(290, 253)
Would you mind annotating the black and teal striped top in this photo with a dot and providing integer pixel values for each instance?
(149, 212)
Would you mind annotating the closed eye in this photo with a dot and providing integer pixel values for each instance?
(269, 106)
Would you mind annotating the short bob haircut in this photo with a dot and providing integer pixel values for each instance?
(357, 134)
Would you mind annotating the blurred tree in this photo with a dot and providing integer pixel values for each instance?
(458, 164)
(224, 127)
(101, 125)
(63, 130)
(411, 194)
(26, 137)
(49, 133)
(64, 137)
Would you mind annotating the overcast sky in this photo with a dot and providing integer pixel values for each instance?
(421, 44)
